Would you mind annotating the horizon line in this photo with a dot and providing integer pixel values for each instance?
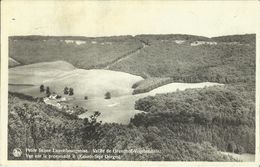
(122, 35)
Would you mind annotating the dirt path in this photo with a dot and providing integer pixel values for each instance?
(127, 55)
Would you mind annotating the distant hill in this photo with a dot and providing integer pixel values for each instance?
(247, 38)
(81, 52)
(188, 61)
(185, 58)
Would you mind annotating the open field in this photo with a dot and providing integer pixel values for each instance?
(58, 75)
(38, 73)
(123, 108)
(91, 83)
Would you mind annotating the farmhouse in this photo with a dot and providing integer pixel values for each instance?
(52, 102)
(179, 41)
(53, 96)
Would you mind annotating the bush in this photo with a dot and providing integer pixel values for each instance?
(71, 92)
(42, 88)
(66, 90)
(239, 150)
(231, 147)
(108, 95)
(48, 92)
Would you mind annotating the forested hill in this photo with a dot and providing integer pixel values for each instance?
(219, 115)
(185, 58)
(82, 52)
(33, 124)
(249, 38)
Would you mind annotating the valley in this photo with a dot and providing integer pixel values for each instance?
(89, 83)
(191, 97)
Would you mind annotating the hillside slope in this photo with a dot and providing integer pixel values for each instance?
(58, 75)
(12, 62)
(224, 59)
(36, 74)
(219, 115)
(82, 52)
(185, 58)
(33, 124)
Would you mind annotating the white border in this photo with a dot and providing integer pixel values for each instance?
(4, 104)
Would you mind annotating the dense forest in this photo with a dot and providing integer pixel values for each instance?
(33, 124)
(218, 115)
(224, 62)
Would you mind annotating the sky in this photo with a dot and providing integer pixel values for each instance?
(109, 18)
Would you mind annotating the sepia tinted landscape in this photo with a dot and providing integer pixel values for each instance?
(183, 97)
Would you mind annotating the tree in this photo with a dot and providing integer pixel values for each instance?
(48, 91)
(42, 88)
(71, 91)
(66, 90)
(91, 128)
(231, 147)
(239, 150)
(108, 95)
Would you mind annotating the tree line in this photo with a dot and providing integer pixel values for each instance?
(66, 91)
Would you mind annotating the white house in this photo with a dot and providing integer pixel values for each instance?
(197, 43)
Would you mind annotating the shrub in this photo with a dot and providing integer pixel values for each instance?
(231, 147)
(42, 88)
(66, 90)
(108, 95)
(239, 150)
(48, 92)
(71, 91)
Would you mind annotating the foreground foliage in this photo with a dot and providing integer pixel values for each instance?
(218, 115)
(33, 124)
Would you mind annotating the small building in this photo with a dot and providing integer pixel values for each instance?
(197, 43)
(179, 41)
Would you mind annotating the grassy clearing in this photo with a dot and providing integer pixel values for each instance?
(150, 84)
(58, 75)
